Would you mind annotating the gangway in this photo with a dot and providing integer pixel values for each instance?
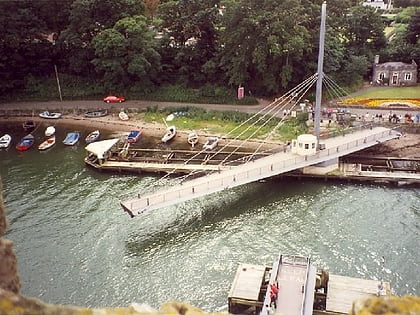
(295, 277)
(265, 167)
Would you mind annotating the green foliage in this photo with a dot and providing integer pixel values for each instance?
(293, 127)
(207, 94)
(231, 123)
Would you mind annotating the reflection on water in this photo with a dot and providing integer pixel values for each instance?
(75, 245)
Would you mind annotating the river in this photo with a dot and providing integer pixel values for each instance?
(75, 245)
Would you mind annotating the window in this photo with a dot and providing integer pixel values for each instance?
(381, 75)
(407, 76)
(306, 146)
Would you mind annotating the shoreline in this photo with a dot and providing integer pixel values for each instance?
(112, 123)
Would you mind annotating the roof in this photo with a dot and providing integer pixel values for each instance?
(396, 66)
(247, 282)
(99, 148)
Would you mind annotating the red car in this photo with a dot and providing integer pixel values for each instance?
(114, 99)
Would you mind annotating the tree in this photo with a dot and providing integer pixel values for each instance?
(364, 32)
(263, 42)
(88, 18)
(189, 28)
(126, 54)
(24, 49)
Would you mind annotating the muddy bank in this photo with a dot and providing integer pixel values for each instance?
(112, 123)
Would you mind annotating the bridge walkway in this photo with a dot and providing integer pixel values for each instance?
(265, 167)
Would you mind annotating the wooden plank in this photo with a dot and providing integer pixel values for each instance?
(247, 282)
(343, 291)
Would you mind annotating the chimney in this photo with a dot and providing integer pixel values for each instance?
(376, 59)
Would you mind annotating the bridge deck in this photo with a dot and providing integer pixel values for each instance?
(265, 167)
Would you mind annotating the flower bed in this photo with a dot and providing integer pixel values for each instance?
(382, 102)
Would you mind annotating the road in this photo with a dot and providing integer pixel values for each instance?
(92, 104)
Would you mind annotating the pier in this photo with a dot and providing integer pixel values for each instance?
(302, 289)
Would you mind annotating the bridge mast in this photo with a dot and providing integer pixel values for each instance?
(320, 73)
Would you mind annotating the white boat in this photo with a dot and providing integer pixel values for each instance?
(93, 136)
(96, 113)
(211, 143)
(170, 134)
(123, 116)
(192, 138)
(47, 144)
(5, 141)
(50, 131)
(49, 115)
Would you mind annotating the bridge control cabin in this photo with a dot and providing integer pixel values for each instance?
(305, 144)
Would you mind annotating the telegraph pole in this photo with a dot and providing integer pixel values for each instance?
(320, 73)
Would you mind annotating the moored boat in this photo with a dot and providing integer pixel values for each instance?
(47, 144)
(134, 136)
(192, 138)
(25, 143)
(170, 134)
(29, 125)
(50, 131)
(93, 136)
(49, 115)
(123, 116)
(72, 138)
(5, 141)
(96, 113)
(211, 143)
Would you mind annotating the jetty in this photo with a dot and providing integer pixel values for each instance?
(302, 289)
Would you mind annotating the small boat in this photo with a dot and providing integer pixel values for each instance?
(96, 113)
(211, 143)
(123, 116)
(134, 136)
(47, 144)
(25, 143)
(170, 134)
(72, 138)
(5, 141)
(49, 115)
(29, 125)
(50, 131)
(192, 138)
(93, 136)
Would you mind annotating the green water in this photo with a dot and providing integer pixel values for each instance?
(75, 245)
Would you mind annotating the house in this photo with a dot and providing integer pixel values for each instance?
(377, 4)
(394, 73)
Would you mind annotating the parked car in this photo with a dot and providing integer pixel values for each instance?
(114, 99)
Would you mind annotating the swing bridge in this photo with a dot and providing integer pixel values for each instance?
(255, 168)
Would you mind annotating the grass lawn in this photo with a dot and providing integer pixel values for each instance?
(406, 92)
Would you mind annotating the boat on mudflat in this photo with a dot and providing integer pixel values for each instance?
(25, 143)
(47, 144)
(170, 134)
(134, 136)
(96, 113)
(93, 136)
(49, 115)
(50, 131)
(5, 141)
(72, 138)
(123, 116)
(29, 125)
(192, 139)
(211, 143)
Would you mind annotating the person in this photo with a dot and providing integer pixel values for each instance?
(274, 290)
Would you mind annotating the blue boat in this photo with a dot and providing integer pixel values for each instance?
(134, 136)
(72, 138)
